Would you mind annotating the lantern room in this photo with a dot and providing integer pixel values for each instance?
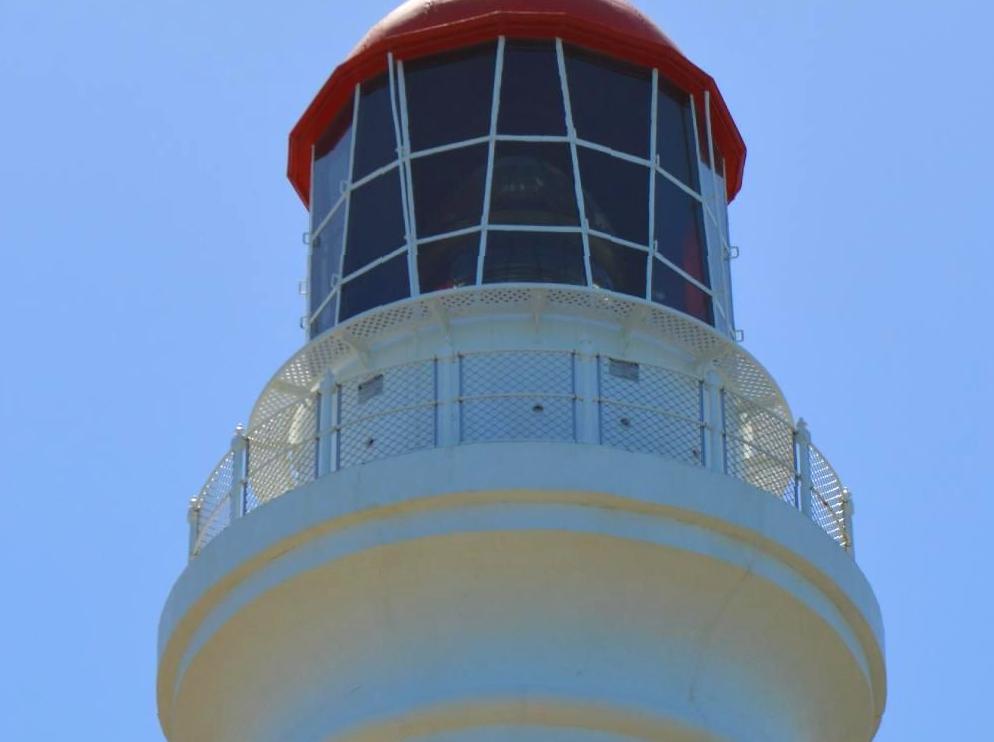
(474, 142)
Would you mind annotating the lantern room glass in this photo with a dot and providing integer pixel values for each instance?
(517, 161)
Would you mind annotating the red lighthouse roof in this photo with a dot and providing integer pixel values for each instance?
(420, 28)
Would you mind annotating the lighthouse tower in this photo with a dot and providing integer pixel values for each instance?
(522, 482)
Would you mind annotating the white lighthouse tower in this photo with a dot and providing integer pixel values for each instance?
(522, 482)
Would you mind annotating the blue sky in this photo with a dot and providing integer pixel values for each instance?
(151, 253)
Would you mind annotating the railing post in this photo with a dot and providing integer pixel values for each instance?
(447, 393)
(588, 393)
(239, 449)
(805, 486)
(848, 508)
(327, 425)
(713, 419)
(193, 518)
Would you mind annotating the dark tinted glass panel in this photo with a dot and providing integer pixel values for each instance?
(680, 229)
(376, 140)
(448, 264)
(673, 290)
(450, 96)
(448, 190)
(611, 101)
(331, 165)
(616, 195)
(384, 284)
(675, 134)
(719, 163)
(531, 96)
(376, 221)
(533, 185)
(326, 255)
(618, 268)
(533, 257)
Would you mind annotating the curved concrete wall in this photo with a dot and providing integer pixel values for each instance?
(533, 591)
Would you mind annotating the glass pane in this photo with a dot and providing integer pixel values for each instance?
(531, 96)
(450, 96)
(382, 285)
(618, 268)
(680, 229)
(448, 264)
(533, 257)
(331, 165)
(376, 139)
(533, 185)
(611, 101)
(673, 290)
(376, 221)
(675, 134)
(616, 195)
(326, 255)
(448, 190)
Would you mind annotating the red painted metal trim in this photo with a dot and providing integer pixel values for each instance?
(371, 60)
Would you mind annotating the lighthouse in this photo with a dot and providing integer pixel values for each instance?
(522, 481)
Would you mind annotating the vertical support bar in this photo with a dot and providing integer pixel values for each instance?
(713, 422)
(193, 518)
(587, 394)
(239, 470)
(447, 399)
(805, 485)
(848, 508)
(327, 424)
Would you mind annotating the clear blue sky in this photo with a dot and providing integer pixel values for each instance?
(151, 253)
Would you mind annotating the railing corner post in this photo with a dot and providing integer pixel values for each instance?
(327, 424)
(588, 393)
(848, 509)
(804, 484)
(193, 518)
(448, 392)
(713, 420)
(239, 473)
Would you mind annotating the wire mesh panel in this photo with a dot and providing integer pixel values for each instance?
(388, 414)
(282, 453)
(828, 498)
(759, 447)
(651, 410)
(212, 503)
(517, 396)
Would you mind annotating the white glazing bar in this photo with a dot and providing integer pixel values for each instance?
(539, 138)
(491, 155)
(578, 185)
(406, 192)
(448, 235)
(618, 240)
(337, 277)
(654, 160)
(308, 272)
(374, 264)
(682, 186)
(449, 147)
(411, 220)
(383, 170)
(685, 275)
(634, 159)
(334, 210)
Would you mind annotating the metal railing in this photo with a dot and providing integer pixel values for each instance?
(522, 396)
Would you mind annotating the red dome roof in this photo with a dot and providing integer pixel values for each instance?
(422, 27)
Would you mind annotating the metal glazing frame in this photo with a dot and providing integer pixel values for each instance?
(711, 198)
